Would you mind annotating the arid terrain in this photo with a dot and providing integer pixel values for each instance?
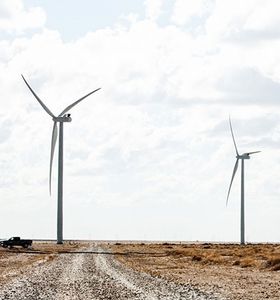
(228, 270)
(88, 270)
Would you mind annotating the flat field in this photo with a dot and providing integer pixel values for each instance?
(110, 270)
(229, 270)
(82, 271)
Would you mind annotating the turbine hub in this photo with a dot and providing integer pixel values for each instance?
(65, 118)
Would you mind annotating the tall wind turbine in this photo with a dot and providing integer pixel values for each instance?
(61, 118)
(241, 157)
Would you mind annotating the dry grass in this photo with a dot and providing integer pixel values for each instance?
(237, 272)
(259, 256)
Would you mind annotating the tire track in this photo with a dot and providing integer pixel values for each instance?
(93, 275)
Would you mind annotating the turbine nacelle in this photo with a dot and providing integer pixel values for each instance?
(65, 118)
(246, 155)
(243, 156)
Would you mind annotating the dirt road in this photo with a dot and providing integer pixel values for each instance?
(92, 273)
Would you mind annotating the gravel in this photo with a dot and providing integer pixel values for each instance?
(93, 274)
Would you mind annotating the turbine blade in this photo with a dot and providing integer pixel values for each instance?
(38, 99)
(76, 102)
(233, 174)
(254, 152)
(54, 138)
(233, 137)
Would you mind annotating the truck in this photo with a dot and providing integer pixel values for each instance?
(16, 241)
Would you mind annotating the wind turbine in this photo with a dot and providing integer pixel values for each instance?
(61, 118)
(241, 157)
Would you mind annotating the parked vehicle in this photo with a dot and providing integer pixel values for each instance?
(16, 241)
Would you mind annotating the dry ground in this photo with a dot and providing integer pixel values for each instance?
(233, 271)
(250, 272)
(12, 264)
(67, 273)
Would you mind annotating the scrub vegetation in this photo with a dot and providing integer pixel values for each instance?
(233, 271)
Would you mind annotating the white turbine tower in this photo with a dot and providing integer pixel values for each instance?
(61, 118)
(241, 157)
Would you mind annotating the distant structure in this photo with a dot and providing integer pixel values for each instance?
(241, 157)
(61, 118)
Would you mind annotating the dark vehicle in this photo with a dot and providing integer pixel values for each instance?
(16, 241)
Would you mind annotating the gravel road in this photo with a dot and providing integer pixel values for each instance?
(92, 274)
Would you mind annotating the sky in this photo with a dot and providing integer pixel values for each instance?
(149, 156)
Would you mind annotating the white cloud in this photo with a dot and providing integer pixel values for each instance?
(14, 17)
(184, 11)
(264, 17)
(246, 21)
(153, 9)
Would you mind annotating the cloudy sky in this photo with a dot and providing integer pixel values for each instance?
(150, 155)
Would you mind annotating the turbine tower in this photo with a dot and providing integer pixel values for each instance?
(241, 157)
(61, 118)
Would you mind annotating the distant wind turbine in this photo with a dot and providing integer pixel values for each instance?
(61, 118)
(241, 157)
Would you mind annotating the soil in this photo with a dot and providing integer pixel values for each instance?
(83, 271)
(77, 270)
(229, 271)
